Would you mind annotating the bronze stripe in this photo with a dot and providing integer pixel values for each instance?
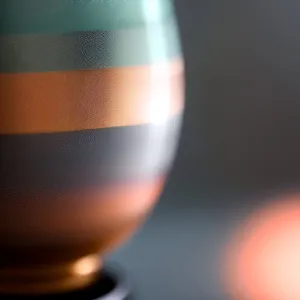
(90, 99)
(54, 231)
(70, 216)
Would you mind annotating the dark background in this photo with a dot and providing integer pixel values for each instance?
(240, 142)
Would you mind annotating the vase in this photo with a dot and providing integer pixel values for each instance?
(91, 103)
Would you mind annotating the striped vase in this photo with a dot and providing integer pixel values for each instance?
(91, 102)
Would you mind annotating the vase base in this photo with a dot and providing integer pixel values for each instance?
(110, 285)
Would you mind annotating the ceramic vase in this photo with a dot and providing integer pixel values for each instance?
(91, 103)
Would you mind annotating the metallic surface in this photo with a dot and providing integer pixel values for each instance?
(91, 103)
(56, 16)
(88, 158)
(110, 284)
(37, 279)
(87, 50)
(90, 99)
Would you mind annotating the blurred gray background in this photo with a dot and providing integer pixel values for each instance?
(240, 141)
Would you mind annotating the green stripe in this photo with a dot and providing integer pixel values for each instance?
(65, 16)
(89, 49)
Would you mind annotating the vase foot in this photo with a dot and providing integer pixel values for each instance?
(109, 285)
(49, 278)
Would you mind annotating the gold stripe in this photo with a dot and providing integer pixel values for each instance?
(90, 99)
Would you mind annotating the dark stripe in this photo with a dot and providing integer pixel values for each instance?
(62, 16)
(84, 158)
(89, 49)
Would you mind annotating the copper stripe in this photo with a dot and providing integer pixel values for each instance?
(90, 99)
(54, 232)
(72, 216)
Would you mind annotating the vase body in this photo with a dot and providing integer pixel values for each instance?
(91, 101)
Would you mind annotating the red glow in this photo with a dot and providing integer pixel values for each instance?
(264, 260)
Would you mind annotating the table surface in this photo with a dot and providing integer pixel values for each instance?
(177, 254)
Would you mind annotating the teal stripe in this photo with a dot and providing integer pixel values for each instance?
(89, 49)
(65, 16)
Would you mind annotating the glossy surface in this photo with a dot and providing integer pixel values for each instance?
(91, 102)
(32, 16)
(89, 49)
(90, 99)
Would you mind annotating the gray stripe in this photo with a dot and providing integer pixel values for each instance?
(87, 158)
(88, 50)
